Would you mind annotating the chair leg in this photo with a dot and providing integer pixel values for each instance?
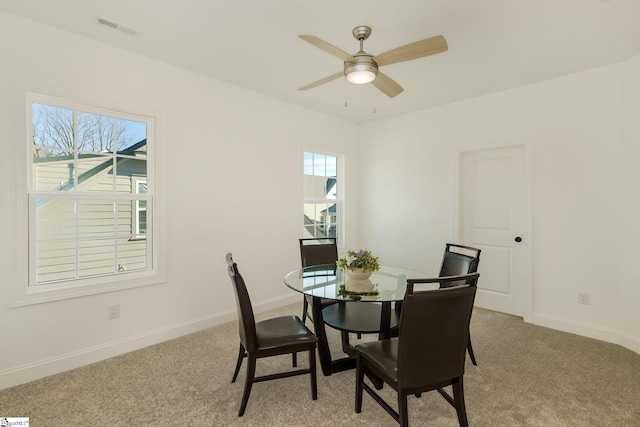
(241, 355)
(305, 307)
(359, 380)
(314, 378)
(471, 355)
(403, 411)
(251, 371)
(458, 397)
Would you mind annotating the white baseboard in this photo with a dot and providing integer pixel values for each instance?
(588, 330)
(64, 362)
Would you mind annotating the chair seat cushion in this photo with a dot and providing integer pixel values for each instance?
(282, 332)
(382, 356)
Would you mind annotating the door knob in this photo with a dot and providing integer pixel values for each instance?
(518, 239)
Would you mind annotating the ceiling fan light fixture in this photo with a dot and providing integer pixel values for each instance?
(361, 71)
(361, 77)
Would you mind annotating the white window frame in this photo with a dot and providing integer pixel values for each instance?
(340, 186)
(23, 289)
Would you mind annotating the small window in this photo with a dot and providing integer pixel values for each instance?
(322, 198)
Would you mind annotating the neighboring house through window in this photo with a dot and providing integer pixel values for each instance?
(322, 195)
(140, 218)
(91, 196)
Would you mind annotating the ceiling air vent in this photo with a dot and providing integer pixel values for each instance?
(121, 28)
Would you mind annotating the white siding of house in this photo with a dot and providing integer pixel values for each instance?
(104, 253)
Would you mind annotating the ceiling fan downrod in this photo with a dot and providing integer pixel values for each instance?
(361, 33)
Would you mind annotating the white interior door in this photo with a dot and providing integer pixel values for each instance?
(493, 219)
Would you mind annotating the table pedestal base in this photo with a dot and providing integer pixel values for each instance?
(354, 317)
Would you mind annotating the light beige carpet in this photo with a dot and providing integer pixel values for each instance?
(526, 376)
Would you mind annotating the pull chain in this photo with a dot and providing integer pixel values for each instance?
(346, 93)
(373, 95)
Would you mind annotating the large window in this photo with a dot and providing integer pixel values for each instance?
(322, 198)
(91, 195)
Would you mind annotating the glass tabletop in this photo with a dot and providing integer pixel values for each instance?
(328, 281)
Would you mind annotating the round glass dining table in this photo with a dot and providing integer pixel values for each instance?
(356, 306)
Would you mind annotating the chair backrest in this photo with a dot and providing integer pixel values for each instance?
(318, 251)
(457, 260)
(246, 319)
(433, 336)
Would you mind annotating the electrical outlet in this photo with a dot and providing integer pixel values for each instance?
(584, 298)
(113, 311)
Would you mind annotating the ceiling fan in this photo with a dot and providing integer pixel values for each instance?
(362, 67)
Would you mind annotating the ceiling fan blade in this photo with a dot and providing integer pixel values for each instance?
(387, 85)
(327, 47)
(322, 81)
(413, 50)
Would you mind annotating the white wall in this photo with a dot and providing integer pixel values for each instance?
(583, 130)
(232, 170)
(629, 249)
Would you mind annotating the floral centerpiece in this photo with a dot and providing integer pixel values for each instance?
(360, 264)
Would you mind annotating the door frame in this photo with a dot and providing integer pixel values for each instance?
(527, 233)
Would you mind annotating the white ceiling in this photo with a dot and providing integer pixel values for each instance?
(493, 44)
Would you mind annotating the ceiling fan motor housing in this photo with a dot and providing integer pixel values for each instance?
(362, 65)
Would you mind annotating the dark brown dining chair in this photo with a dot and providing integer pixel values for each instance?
(459, 259)
(429, 353)
(324, 251)
(317, 251)
(272, 337)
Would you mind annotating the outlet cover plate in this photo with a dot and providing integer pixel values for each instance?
(113, 311)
